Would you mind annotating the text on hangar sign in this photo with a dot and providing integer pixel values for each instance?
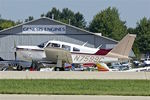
(44, 28)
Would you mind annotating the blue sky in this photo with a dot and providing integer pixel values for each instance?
(130, 11)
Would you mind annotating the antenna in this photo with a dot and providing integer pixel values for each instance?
(99, 46)
(69, 21)
(85, 43)
(52, 16)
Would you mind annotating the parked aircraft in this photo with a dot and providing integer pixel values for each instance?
(13, 65)
(61, 52)
(104, 67)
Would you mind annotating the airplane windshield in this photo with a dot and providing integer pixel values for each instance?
(75, 49)
(42, 45)
(66, 47)
(53, 45)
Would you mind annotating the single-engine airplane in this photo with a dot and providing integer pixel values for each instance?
(63, 52)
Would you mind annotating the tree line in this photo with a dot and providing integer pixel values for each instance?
(107, 22)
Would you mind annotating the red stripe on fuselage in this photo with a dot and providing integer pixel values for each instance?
(103, 51)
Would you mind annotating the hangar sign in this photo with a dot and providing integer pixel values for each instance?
(51, 29)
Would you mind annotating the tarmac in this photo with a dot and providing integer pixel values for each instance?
(69, 97)
(73, 75)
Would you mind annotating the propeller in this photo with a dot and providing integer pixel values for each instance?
(15, 53)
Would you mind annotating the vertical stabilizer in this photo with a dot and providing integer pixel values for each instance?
(123, 48)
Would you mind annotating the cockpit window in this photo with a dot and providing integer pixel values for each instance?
(66, 47)
(42, 45)
(76, 49)
(53, 45)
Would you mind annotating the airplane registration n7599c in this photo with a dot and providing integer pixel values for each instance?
(59, 52)
(82, 58)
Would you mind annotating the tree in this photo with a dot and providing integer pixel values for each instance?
(143, 35)
(54, 13)
(109, 24)
(131, 30)
(80, 21)
(29, 18)
(18, 22)
(4, 23)
(67, 16)
(42, 15)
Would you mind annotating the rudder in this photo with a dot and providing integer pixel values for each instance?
(123, 48)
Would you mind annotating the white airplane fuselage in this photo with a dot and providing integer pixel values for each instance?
(79, 53)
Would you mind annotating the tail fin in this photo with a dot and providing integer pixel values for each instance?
(123, 48)
(102, 67)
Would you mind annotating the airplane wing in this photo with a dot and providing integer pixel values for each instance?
(144, 69)
(54, 54)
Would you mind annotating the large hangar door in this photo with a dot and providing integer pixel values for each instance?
(7, 46)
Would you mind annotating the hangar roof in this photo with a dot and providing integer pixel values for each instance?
(59, 23)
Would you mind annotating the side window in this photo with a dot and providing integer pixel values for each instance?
(53, 45)
(49, 45)
(42, 45)
(66, 47)
(76, 49)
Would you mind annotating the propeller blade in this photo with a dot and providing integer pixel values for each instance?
(15, 53)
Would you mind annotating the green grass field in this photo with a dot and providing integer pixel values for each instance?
(76, 87)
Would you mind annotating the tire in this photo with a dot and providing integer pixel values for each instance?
(57, 69)
(62, 69)
(19, 68)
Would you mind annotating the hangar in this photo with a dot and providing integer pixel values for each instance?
(43, 29)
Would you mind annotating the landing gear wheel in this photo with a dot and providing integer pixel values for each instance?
(19, 68)
(57, 69)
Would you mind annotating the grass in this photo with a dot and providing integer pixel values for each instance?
(76, 87)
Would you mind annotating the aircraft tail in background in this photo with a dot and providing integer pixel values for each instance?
(102, 67)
